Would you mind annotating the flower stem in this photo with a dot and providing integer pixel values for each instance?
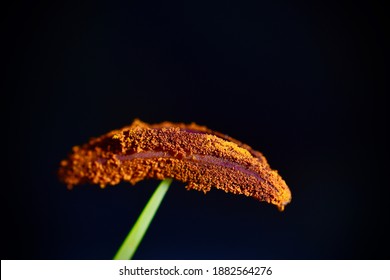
(134, 238)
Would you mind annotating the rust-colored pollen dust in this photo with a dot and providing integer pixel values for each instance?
(189, 153)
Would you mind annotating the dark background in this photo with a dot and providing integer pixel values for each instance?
(303, 83)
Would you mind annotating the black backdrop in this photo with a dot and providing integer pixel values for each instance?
(304, 84)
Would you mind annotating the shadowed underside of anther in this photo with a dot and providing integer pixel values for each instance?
(192, 154)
